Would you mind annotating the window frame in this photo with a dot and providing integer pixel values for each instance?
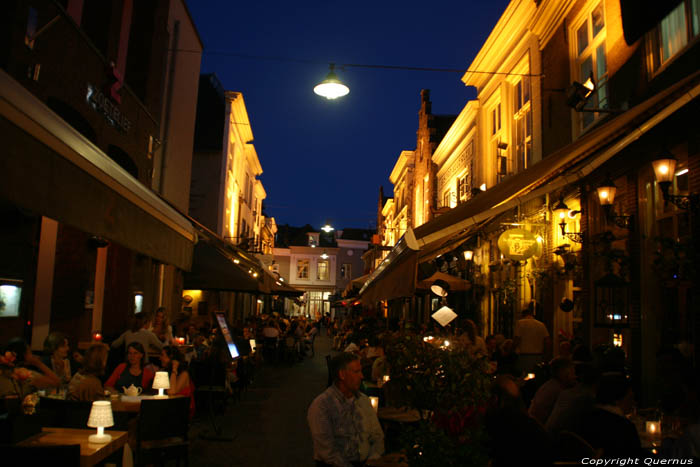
(586, 120)
(327, 265)
(655, 45)
(303, 265)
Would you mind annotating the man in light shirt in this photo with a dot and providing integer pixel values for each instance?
(531, 340)
(344, 427)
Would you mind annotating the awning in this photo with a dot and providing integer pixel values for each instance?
(398, 279)
(52, 170)
(277, 287)
(214, 269)
(456, 284)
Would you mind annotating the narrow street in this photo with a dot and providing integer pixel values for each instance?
(268, 425)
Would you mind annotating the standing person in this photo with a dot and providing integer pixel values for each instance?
(344, 427)
(132, 371)
(139, 333)
(161, 327)
(57, 349)
(531, 340)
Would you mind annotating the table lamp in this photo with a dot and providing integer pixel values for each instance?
(161, 382)
(100, 417)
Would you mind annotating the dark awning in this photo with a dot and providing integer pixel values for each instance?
(277, 287)
(398, 279)
(52, 170)
(215, 269)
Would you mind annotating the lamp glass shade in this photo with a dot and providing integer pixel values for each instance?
(664, 168)
(101, 415)
(606, 192)
(440, 288)
(468, 255)
(161, 380)
(561, 210)
(331, 87)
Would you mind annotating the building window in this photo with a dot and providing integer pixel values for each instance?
(674, 32)
(322, 270)
(346, 271)
(303, 269)
(590, 60)
(463, 187)
(522, 124)
(496, 119)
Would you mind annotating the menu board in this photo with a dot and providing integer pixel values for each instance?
(232, 349)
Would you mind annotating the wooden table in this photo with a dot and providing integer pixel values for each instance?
(399, 414)
(90, 453)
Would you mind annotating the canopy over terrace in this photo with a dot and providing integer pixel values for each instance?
(77, 184)
(396, 275)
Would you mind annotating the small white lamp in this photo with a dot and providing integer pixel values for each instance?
(161, 382)
(100, 417)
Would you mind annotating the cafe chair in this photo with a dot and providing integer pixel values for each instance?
(162, 431)
(40, 456)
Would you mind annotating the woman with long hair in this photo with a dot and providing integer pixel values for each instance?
(161, 327)
(174, 363)
(132, 371)
(86, 384)
(57, 349)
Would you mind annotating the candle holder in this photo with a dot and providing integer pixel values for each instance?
(374, 400)
(97, 336)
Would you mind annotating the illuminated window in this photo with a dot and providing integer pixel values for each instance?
(674, 32)
(463, 187)
(522, 123)
(303, 269)
(322, 270)
(590, 60)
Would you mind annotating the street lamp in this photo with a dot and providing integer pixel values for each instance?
(561, 211)
(327, 228)
(331, 87)
(665, 171)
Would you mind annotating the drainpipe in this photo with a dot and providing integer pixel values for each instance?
(168, 100)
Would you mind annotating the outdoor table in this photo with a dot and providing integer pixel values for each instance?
(90, 453)
(398, 414)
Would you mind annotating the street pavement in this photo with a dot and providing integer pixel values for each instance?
(268, 425)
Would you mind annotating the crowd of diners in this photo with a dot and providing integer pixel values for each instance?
(582, 398)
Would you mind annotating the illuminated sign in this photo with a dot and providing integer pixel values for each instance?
(519, 244)
(104, 106)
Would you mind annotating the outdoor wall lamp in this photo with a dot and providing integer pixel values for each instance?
(561, 212)
(577, 96)
(331, 87)
(468, 255)
(664, 172)
(606, 197)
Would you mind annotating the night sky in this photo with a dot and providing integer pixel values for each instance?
(325, 160)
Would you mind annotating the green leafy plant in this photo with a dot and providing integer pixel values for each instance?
(450, 389)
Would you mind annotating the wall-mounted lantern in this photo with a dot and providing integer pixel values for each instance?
(664, 172)
(606, 197)
(561, 212)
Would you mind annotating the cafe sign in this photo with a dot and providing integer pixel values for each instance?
(518, 244)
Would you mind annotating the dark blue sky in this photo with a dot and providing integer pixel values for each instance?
(325, 160)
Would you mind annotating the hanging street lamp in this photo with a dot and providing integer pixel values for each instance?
(331, 87)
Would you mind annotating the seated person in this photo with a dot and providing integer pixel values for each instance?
(344, 428)
(174, 363)
(606, 427)
(57, 350)
(132, 371)
(24, 372)
(86, 384)
(563, 377)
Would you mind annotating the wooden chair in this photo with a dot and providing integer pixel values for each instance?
(162, 431)
(40, 456)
